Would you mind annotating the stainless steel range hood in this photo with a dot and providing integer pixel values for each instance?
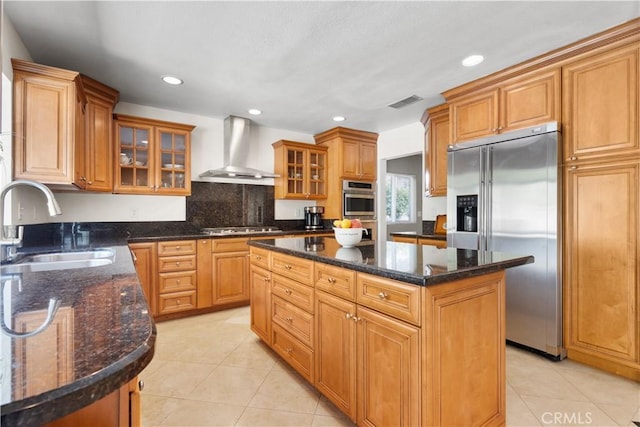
(237, 146)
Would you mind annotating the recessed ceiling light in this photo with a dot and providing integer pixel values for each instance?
(255, 111)
(472, 60)
(339, 119)
(171, 80)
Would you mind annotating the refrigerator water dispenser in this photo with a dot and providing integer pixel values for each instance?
(467, 217)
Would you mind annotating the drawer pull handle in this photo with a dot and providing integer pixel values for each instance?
(574, 158)
(331, 280)
(258, 257)
(266, 279)
(348, 316)
(289, 319)
(382, 295)
(355, 319)
(177, 248)
(178, 281)
(177, 263)
(177, 302)
(288, 291)
(287, 267)
(141, 385)
(289, 350)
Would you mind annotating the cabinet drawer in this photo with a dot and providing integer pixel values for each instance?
(177, 281)
(294, 320)
(293, 267)
(177, 263)
(391, 297)
(177, 301)
(293, 352)
(432, 242)
(230, 245)
(293, 292)
(177, 247)
(335, 280)
(260, 257)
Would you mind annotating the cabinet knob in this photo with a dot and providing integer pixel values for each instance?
(289, 350)
(258, 257)
(331, 280)
(266, 279)
(287, 267)
(141, 385)
(574, 158)
(288, 291)
(573, 168)
(348, 316)
(177, 263)
(382, 295)
(289, 319)
(178, 281)
(177, 248)
(177, 302)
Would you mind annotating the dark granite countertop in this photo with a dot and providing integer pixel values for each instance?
(416, 234)
(105, 337)
(407, 262)
(188, 236)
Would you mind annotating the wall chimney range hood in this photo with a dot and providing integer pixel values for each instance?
(237, 145)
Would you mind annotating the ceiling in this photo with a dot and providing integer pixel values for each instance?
(301, 63)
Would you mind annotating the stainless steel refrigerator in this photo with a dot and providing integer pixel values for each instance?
(504, 194)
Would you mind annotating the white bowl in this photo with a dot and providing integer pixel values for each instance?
(348, 237)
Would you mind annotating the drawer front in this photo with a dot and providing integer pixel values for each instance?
(176, 247)
(261, 258)
(230, 245)
(293, 267)
(391, 297)
(177, 281)
(297, 322)
(293, 352)
(433, 242)
(177, 263)
(177, 301)
(293, 292)
(336, 281)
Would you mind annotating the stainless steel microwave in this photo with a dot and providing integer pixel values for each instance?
(358, 199)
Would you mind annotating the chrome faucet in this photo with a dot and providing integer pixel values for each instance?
(11, 235)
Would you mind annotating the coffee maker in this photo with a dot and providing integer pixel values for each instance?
(313, 217)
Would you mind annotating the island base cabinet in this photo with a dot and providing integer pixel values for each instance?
(260, 306)
(299, 356)
(464, 352)
(388, 371)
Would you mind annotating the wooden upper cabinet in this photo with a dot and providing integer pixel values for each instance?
(302, 168)
(48, 123)
(437, 140)
(519, 102)
(353, 153)
(98, 147)
(152, 156)
(600, 110)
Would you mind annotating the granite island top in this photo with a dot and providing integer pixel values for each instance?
(104, 336)
(407, 262)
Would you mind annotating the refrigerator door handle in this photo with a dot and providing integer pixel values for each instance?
(488, 200)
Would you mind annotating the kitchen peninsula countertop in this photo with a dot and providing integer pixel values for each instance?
(406, 262)
(109, 337)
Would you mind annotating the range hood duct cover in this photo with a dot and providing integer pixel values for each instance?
(237, 146)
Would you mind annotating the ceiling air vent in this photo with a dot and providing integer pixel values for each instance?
(407, 101)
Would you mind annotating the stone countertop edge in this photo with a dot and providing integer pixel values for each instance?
(420, 235)
(144, 239)
(415, 279)
(104, 379)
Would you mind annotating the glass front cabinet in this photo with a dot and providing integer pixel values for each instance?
(153, 157)
(303, 170)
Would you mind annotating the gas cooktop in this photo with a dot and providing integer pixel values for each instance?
(224, 231)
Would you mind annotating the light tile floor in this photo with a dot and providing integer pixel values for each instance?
(211, 370)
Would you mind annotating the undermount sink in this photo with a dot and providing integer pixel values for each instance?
(61, 261)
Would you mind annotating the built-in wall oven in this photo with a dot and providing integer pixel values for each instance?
(358, 200)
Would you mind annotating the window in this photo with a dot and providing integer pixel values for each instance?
(401, 198)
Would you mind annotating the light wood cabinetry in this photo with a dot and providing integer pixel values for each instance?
(600, 109)
(152, 156)
(230, 270)
(302, 169)
(432, 242)
(601, 282)
(352, 154)
(437, 140)
(120, 408)
(260, 301)
(523, 101)
(96, 171)
(386, 352)
(48, 124)
(145, 261)
(176, 276)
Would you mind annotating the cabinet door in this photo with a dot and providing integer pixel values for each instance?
(474, 116)
(230, 277)
(204, 272)
(335, 351)
(261, 303)
(144, 258)
(600, 105)
(601, 266)
(173, 161)
(368, 160)
(388, 371)
(350, 159)
(530, 100)
(45, 112)
(99, 151)
(134, 158)
(438, 141)
(316, 177)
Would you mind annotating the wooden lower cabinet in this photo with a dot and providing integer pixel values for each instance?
(120, 408)
(601, 265)
(145, 259)
(388, 353)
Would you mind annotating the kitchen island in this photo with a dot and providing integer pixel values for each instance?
(391, 333)
(84, 364)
